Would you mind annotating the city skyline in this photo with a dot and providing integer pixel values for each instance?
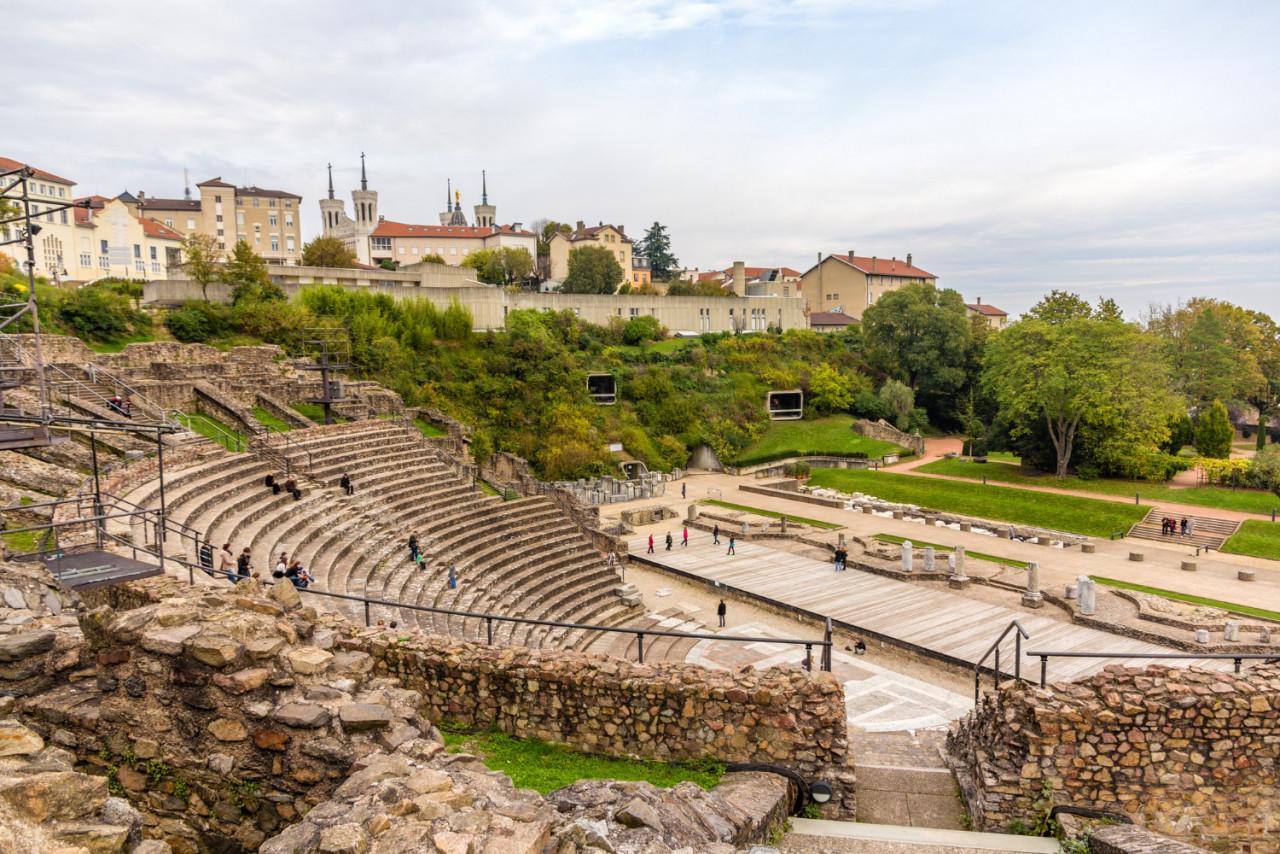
(1124, 151)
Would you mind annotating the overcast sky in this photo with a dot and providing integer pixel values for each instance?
(1123, 149)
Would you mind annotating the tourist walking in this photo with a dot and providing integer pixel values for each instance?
(227, 561)
(715, 535)
(685, 541)
(453, 577)
(1184, 526)
(731, 542)
(669, 541)
(682, 490)
(651, 544)
(345, 483)
(206, 556)
(413, 547)
(244, 564)
(720, 612)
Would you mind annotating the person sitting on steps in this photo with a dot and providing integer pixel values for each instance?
(271, 484)
(345, 484)
(291, 486)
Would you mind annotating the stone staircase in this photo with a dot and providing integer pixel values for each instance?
(656, 648)
(520, 558)
(1209, 531)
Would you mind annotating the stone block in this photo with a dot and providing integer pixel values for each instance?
(1202, 635)
(25, 645)
(1188, 566)
(1137, 557)
(358, 716)
(1088, 548)
(56, 795)
(1245, 575)
(169, 641)
(269, 739)
(309, 661)
(303, 715)
(242, 681)
(225, 729)
(17, 740)
(216, 650)
(956, 582)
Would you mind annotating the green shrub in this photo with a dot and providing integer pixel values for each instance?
(198, 321)
(796, 470)
(1087, 471)
(641, 329)
(99, 313)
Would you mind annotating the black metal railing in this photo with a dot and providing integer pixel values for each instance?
(994, 650)
(1238, 657)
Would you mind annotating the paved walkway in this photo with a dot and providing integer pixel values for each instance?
(943, 624)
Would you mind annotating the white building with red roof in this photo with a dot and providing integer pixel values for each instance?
(55, 245)
(112, 241)
(994, 317)
(849, 283)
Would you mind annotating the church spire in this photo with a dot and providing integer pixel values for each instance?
(484, 185)
(331, 180)
(364, 181)
(448, 195)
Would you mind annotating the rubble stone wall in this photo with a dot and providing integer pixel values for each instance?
(883, 431)
(1189, 753)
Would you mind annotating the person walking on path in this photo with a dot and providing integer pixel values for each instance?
(1191, 527)
(731, 541)
(715, 535)
(685, 541)
(206, 556)
(669, 541)
(651, 544)
(345, 483)
(683, 493)
(244, 564)
(453, 577)
(413, 547)
(720, 612)
(1184, 526)
(227, 561)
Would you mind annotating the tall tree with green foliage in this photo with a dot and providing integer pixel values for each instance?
(1214, 432)
(202, 262)
(829, 390)
(246, 272)
(898, 400)
(503, 265)
(1264, 469)
(592, 270)
(327, 252)
(920, 335)
(656, 246)
(1077, 370)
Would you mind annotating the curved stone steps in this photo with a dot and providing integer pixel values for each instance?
(370, 480)
(402, 454)
(549, 600)
(512, 590)
(577, 602)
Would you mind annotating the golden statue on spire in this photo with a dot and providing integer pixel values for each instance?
(457, 197)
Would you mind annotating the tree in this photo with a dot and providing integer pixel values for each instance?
(1059, 307)
(592, 270)
(246, 272)
(1264, 393)
(686, 288)
(1215, 349)
(1264, 469)
(481, 448)
(829, 390)
(920, 335)
(1214, 432)
(327, 252)
(1073, 371)
(432, 258)
(203, 260)
(656, 246)
(898, 400)
(545, 229)
(502, 266)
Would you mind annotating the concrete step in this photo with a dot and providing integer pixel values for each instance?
(958, 840)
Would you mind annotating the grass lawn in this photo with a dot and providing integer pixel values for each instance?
(1005, 561)
(1090, 516)
(1186, 597)
(428, 429)
(830, 435)
(266, 419)
(1244, 500)
(546, 767)
(117, 345)
(213, 429)
(314, 411)
(1004, 457)
(1257, 538)
(775, 515)
(23, 541)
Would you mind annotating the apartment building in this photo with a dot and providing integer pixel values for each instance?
(611, 237)
(270, 221)
(850, 283)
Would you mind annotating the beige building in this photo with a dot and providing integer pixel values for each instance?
(55, 245)
(994, 317)
(850, 283)
(270, 221)
(611, 237)
(783, 280)
(112, 241)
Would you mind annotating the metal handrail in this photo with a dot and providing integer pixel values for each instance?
(134, 396)
(995, 648)
(224, 438)
(291, 446)
(1237, 657)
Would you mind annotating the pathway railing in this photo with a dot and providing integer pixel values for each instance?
(1019, 633)
(231, 440)
(1237, 657)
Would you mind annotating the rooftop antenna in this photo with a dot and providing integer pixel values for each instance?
(186, 182)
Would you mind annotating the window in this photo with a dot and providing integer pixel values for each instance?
(43, 190)
(275, 243)
(239, 203)
(239, 217)
(103, 248)
(220, 232)
(288, 242)
(191, 223)
(271, 203)
(869, 298)
(217, 199)
(64, 217)
(86, 259)
(415, 250)
(153, 253)
(104, 261)
(240, 236)
(255, 203)
(137, 251)
(222, 244)
(635, 277)
(402, 250)
(169, 222)
(62, 192)
(453, 250)
(219, 217)
(48, 217)
(382, 243)
(288, 204)
(288, 220)
(635, 312)
(271, 220)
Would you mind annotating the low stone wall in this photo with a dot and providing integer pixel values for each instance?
(212, 401)
(1185, 752)
(817, 461)
(779, 490)
(883, 431)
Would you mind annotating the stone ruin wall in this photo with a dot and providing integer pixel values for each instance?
(883, 431)
(1188, 753)
(232, 719)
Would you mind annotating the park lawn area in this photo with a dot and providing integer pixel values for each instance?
(1004, 457)
(213, 429)
(1089, 516)
(1004, 561)
(829, 435)
(1243, 500)
(1257, 538)
(772, 514)
(266, 419)
(540, 765)
(1187, 597)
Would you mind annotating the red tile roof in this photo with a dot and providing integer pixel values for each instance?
(84, 216)
(830, 318)
(274, 194)
(387, 228)
(591, 233)
(7, 164)
(749, 272)
(885, 267)
(215, 182)
(988, 310)
(156, 229)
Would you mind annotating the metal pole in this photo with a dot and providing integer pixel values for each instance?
(640, 640)
(827, 639)
(977, 689)
(1237, 661)
(366, 613)
(489, 629)
(160, 470)
(1017, 656)
(97, 490)
(1044, 670)
(33, 309)
(1136, 497)
(808, 657)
